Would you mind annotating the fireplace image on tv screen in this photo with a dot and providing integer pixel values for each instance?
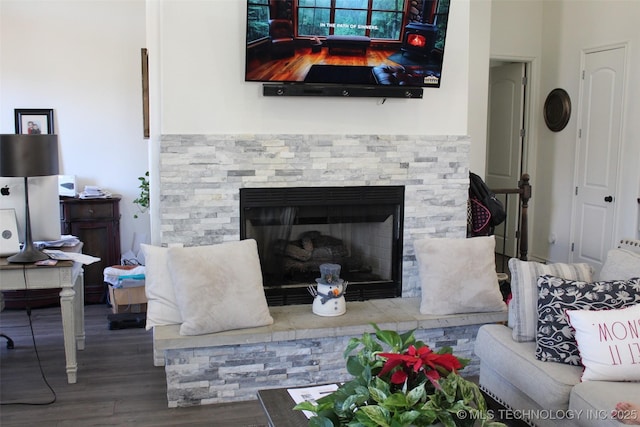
(372, 43)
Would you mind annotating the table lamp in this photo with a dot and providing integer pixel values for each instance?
(25, 156)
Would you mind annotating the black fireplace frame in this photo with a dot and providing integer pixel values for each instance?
(333, 196)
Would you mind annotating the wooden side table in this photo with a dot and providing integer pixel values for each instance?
(96, 222)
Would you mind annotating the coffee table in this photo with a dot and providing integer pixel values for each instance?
(278, 406)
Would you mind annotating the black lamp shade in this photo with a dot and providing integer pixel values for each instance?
(28, 155)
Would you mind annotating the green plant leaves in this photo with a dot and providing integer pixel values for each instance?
(371, 400)
(418, 394)
(374, 415)
(378, 395)
(143, 199)
(320, 422)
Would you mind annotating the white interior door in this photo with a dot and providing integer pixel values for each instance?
(504, 146)
(598, 155)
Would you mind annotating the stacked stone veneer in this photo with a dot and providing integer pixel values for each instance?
(227, 373)
(200, 178)
(199, 376)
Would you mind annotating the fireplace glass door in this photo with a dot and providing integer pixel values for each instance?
(298, 229)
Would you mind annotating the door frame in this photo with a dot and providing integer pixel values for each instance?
(528, 149)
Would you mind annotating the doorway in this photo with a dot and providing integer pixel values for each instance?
(507, 141)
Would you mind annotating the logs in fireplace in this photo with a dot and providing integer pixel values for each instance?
(297, 229)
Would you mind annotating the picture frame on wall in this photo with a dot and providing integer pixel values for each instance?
(32, 121)
(145, 92)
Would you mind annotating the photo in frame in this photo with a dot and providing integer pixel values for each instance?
(30, 121)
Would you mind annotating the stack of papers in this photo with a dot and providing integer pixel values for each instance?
(65, 241)
(93, 192)
(311, 394)
(71, 256)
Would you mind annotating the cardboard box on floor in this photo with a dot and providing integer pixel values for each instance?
(128, 300)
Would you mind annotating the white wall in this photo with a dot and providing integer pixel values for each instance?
(203, 88)
(553, 34)
(82, 59)
(479, 47)
(583, 25)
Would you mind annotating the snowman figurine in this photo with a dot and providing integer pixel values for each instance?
(329, 295)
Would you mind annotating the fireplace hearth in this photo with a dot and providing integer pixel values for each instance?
(299, 228)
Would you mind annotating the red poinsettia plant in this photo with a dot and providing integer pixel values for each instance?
(416, 362)
(400, 381)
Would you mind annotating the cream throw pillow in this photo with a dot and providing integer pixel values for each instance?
(219, 287)
(620, 265)
(162, 307)
(458, 275)
(524, 291)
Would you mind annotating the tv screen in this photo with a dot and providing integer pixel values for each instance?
(349, 42)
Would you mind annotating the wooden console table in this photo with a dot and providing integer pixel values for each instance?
(67, 275)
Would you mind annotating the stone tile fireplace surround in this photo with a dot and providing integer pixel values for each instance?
(201, 176)
(200, 180)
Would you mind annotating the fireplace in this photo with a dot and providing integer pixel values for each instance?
(299, 228)
(201, 177)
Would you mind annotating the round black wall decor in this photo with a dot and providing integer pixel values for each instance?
(557, 109)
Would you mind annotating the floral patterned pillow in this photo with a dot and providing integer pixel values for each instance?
(555, 339)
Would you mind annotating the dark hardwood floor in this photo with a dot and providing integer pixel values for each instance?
(117, 382)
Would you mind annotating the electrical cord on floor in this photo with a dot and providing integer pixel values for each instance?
(35, 347)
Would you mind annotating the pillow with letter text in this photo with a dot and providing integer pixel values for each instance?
(609, 343)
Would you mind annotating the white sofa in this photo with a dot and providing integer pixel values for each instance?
(548, 393)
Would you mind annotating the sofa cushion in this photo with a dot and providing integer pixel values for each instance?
(162, 308)
(219, 287)
(620, 264)
(547, 384)
(458, 275)
(524, 289)
(608, 342)
(555, 339)
(594, 401)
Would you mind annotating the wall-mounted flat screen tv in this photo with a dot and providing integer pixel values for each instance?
(348, 42)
